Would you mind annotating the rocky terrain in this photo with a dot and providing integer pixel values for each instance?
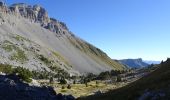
(11, 88)
(30, 38)
(134, 63)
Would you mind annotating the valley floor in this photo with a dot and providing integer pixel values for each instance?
(80, 90)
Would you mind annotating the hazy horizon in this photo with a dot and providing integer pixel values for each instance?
(123, 29)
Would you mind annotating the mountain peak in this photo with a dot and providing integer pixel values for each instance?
(36, 14)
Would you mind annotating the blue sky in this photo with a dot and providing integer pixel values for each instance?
(122, 28)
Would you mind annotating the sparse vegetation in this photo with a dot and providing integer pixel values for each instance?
(19, 55)
(6, 69)
(54, 68)
(61, 58)
(44, 59)
(97, 54)
(23, 73)
(20, 38)
(8, 46)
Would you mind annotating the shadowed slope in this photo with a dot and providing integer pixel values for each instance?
(153, 86)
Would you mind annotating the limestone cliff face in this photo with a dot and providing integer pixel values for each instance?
(134, 63)
(38, 14)
(3, 8)
(35, 13)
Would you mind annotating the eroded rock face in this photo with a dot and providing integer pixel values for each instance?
(3, 7)
(37, 14)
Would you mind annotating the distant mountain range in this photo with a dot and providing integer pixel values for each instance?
(152, 62)
(134, 63)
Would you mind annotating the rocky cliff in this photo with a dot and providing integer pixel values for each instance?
(134, 63)
(38, 14)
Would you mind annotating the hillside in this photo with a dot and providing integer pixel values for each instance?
(31, 39)
(134, 63)
(154, 86)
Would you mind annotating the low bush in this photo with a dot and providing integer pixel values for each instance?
(44, 59)
(69, 86)
(63, 81)
(23, 73)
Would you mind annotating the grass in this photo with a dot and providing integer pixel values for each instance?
(8, 46)
(97, 54)
(78, 90)
(49, 63)
(20, 38)
(61, 58)
(18, 54)
(63, 90)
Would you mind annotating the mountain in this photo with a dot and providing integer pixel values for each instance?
(154, 86)
(152, 62)
(31, 39)
(134, 63)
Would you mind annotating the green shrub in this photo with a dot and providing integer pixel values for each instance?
(19, 56)
(104, 75)
(69, 86)
(41, 75)
(74, 82)
(6, 69)
(63, 81)
(51, 80)
(44, 59)
(119, 79)
(24, 74)
(62, 87)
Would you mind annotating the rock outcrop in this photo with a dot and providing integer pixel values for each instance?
(134, 63)
(11, 88)
(3, 8)
(35, 13)
(38, 14)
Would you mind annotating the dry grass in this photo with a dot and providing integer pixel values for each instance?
(79, 90)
